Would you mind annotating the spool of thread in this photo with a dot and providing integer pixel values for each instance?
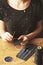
(38, 55)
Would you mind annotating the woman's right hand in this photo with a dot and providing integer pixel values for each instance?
(6, 36)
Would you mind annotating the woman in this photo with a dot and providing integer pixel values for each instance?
(21, 19)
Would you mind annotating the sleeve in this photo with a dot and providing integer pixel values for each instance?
(40, 16)
(39, 11)
(42, 1)
(1, 11)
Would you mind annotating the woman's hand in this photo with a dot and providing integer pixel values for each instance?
(24, 39)
(7, 36)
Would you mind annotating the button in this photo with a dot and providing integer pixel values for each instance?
(8, 59)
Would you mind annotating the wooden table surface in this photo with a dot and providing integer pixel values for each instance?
(8, 49)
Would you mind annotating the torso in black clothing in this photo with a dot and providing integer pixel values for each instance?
(20, 22)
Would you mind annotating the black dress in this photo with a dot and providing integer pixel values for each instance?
(20, 22)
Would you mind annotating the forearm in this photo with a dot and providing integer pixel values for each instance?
(35, 32)
(2, 27)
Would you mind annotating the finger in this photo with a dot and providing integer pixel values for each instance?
(25, 38)
(21, 37)
(6, 37)
(9, 38)
(22, 44)
(9, 35)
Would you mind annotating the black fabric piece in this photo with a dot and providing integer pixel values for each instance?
(16, 41)
(26, 52)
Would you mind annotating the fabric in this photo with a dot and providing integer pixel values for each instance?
(20, 22)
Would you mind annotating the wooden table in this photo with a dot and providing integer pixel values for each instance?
(8, 49)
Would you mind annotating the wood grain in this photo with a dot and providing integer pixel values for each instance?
(8, 49)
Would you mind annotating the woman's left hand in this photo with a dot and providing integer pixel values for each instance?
(24, 40)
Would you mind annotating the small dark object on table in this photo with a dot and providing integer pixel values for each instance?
(8, 59)
(16, 41)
